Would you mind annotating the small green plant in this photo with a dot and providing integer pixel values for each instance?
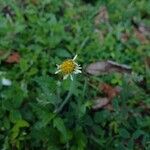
(40, 110)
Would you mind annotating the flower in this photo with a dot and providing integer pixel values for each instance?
(68, 67)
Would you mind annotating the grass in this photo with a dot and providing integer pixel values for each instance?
(45, 33)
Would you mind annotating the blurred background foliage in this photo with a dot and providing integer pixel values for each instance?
(45, 32)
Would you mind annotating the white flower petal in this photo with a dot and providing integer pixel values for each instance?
(6, 82)
(76, 64)
(65, 77)
(71, 77)
(57, 71)
(78, 67)
(77, 71)
(75, 57)
(58, 66)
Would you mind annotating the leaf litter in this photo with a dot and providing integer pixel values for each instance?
(13, 58)
(105, 102)
(102, 16)
(104, 67)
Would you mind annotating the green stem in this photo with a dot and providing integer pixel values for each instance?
(59, 109)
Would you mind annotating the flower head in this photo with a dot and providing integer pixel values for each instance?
(68, 67)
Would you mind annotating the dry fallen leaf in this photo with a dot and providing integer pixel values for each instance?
(100, 103)
(141, 27)
(102, 16)
(141, 31)
(105, 102)
(13, 58)
(103, 67)
(109, 107)
(140, 36)
(144, 29)
(110, 91)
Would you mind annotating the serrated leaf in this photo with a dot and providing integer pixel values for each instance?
(46, 90)
(46, 83)
(43, 115)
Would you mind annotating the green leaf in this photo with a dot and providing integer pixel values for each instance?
(124, 133)
(23, 64)
(101, 117)
(15, 115)
(13, 97)
(22, 123)
(62, 53)
(80, 140)
(47, 87)
(137, 134)
(44, 115)
(16, 129)
(46, 83)
(59, 124)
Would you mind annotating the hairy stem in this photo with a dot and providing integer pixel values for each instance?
(59, 109)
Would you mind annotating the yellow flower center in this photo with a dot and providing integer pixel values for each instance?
(67, 67)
